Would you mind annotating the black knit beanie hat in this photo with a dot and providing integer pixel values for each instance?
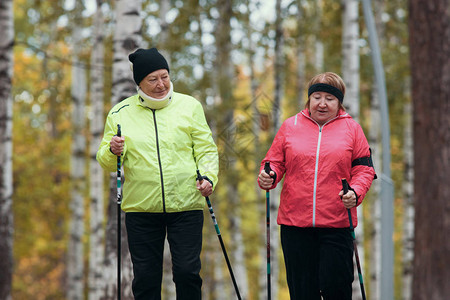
(146, 61)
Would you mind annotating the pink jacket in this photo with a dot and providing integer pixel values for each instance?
(313, 160)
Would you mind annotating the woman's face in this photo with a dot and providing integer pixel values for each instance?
(156, 84)
(323, 107)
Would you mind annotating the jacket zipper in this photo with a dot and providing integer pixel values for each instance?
(159, 161)
(316, 168)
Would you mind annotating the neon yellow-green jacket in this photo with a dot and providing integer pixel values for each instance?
(163, 149)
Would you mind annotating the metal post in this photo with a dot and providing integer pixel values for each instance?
(387, 189)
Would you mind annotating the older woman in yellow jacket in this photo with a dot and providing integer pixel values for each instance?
(165, 139)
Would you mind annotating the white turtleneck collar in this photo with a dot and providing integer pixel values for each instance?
(155, 103)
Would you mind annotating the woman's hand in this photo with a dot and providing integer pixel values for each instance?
(349, 199)
(116, 144)
(266, 180)
(205, 187)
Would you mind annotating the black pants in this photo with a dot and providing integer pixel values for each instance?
(146, 236)
(319, 262)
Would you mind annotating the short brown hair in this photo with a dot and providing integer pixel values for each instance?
(330, 78)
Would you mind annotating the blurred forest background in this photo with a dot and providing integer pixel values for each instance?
(64, 63)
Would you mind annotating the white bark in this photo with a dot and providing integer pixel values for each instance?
(275, 244)
(6, 172)
(219, 287)
(408, 191)
(127, 38)
(301, 63)
(75, 264)
(350, 53)
(97, 213)
(238, 255)
(350, 72)
(277, 107)
(207, 259)
(375, 144)
(374, 141)
(209, 235)
(164, 34)
(279, 67)
(225, 73)
(300, 54)
(319, 48)
(256, 131)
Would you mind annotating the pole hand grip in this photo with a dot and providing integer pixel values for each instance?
(119, 131)
(119, 134)
(199, 176)
(344, 185)
(267, 169)
(345, 188)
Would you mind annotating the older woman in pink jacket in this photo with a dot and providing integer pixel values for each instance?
(313, 151)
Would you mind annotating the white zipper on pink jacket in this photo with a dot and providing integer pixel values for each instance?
(317, 163)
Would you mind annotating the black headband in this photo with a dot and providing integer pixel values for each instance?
(323, 87)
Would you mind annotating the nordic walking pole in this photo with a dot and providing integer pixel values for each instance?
(216, 226)
(358, 265)
(267, 169)
(119, 202)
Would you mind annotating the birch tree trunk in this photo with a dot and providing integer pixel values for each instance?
(257, 127)
(219, 291)
(300, 54)
(75, 251)
(375, 144)
(279, 74)
(217, 288)
(408, 192)
(237, 244)
(350, 53)
(97, 212)
(164, 35)
(127, 37)
(255, 114)
(279, 64)
(350, 72)
(429, 33)
(225, 74)
(319, 49)
(210, 250)
(6, 173)
(258, 151)
(207, 264)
